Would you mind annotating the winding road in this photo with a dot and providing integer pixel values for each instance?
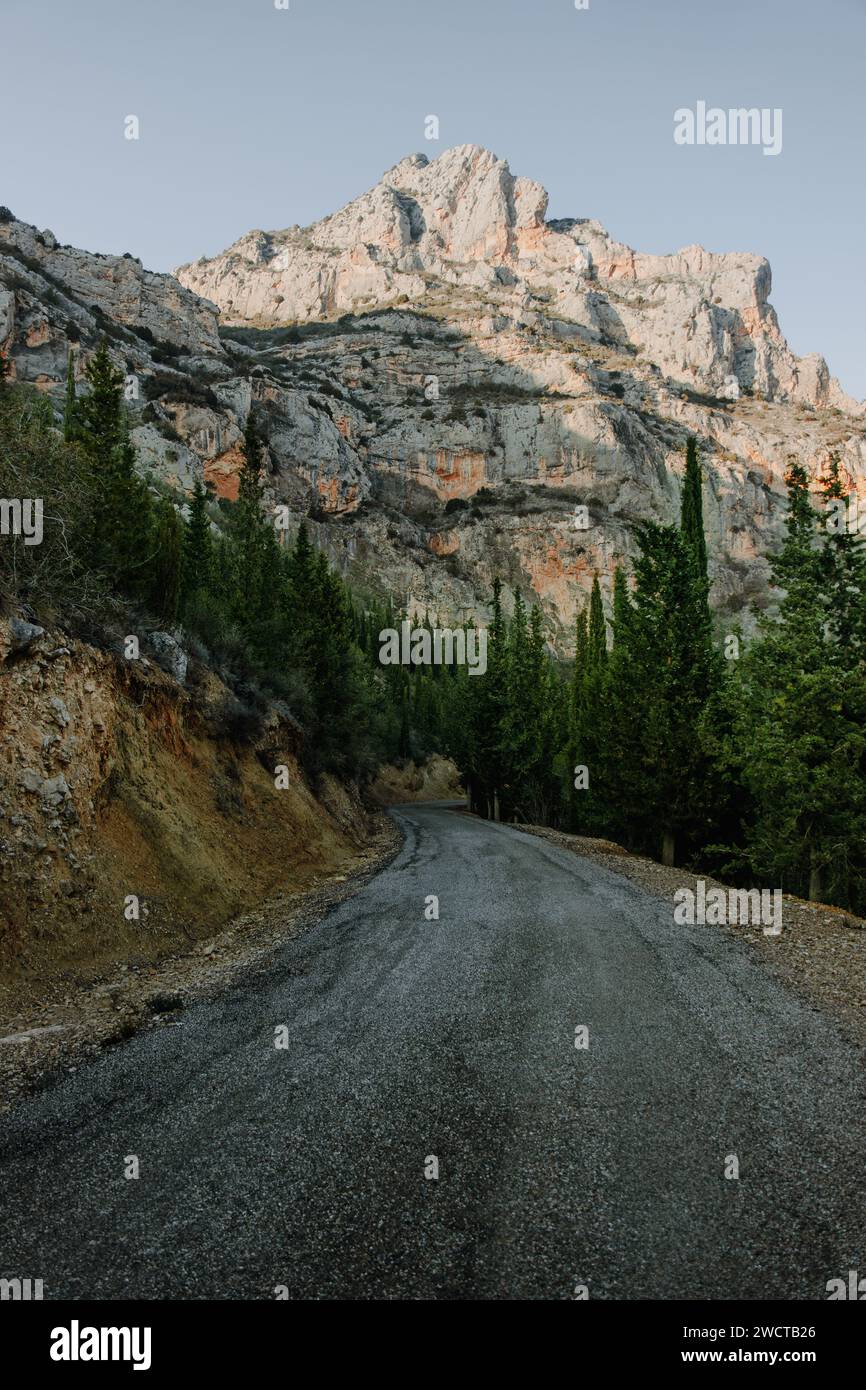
(302, 1168)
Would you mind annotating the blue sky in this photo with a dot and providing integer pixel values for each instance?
(257, 117)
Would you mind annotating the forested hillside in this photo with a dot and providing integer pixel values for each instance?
(664, 732)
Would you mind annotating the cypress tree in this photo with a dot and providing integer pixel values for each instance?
(621, 604)
(121, 531)
(692, 513)
(483, 701)
(592, 751)
(70, 422)
(518, 735)
(656, 690)
(575, 752)
(596, 654)
(197, 557)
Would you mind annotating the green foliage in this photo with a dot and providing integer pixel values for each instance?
(35, 463)
(196, 549)
(70, 413)
(120, 533)
(757, 766)
(799, 713)
(163, 576)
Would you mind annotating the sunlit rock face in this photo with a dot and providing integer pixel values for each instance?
(444, 376)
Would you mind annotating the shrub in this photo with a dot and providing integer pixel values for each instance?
(237, 721)
(36, 463)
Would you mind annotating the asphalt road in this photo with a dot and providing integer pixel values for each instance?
(304, 1167)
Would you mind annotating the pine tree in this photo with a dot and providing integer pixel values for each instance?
(197, 553)
(842, 568)
(246, 534)
(121, 531)
(800, 721)
(164, 571)
(301, 599)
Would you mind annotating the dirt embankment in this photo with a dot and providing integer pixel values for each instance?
(117, 784)
(435, 780)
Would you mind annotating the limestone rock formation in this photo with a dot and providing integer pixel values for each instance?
(464, 221)
(444, 375)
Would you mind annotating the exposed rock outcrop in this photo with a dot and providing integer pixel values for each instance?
(444, 376)
(117, 784)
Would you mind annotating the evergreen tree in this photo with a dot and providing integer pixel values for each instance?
(801, 717)
(485, 697)
(660, 681)
(197, 551)
(70, 413)
(597, 631)
(164, 571)
(576, 720)
(842, 569)
(404, 746)
(692, 517)
(246, 534)
(589, 699)
(120, 530)
(578, 684)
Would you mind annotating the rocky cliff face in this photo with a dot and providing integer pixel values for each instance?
(445, 376)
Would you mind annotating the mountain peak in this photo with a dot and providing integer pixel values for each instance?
(461, 235)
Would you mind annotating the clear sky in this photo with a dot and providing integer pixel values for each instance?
(252, 116)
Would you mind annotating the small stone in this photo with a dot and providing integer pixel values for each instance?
(170, 655)
(60, 710)
(23, 635)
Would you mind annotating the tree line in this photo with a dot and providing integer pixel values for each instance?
(275, 620)
(744, 758)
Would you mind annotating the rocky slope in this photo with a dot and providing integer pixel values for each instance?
(444, 376)
(119, 782)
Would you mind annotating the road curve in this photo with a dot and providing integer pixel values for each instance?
(303, 1168)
